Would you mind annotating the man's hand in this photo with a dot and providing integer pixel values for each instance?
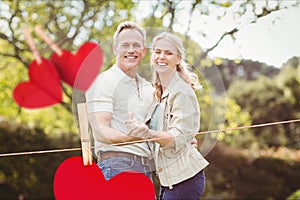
(136, 128)
(194, 142)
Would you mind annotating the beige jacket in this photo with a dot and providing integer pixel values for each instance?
(179, 114)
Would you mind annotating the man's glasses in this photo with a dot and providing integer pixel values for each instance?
(135, 46)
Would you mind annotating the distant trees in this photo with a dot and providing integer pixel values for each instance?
(270, 100)
(31, 176)
(231, 70)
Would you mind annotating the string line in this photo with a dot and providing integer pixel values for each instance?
(145, 140)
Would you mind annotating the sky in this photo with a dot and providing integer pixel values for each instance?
(273, 39)
(265, 41)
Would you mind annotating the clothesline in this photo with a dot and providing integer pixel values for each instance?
(144, 140)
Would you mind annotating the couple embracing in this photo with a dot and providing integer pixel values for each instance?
(124, 107)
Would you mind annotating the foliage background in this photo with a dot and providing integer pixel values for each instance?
(235, 93)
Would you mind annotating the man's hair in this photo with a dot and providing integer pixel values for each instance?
(129, 25)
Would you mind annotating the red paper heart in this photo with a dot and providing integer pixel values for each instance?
(43, 89)
(75, 181)
(79, 70)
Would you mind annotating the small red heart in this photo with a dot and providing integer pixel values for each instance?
(43, 89)
(79, 70)
(75, 181)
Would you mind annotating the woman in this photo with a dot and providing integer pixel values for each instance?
(175, 118)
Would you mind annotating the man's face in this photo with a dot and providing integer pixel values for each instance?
(129, 49)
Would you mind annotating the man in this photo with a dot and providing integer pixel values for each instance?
(113, 95)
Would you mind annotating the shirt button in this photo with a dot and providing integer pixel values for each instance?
(159, 169)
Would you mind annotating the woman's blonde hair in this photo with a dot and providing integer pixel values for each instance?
(182, 68)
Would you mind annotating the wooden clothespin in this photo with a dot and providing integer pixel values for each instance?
(46, 38)
(84, 134)
(32, 47)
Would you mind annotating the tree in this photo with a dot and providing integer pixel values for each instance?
(288, 80)
(31, 175)
(271, 100)
(69, 24)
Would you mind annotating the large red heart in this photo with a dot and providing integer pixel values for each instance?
(43, 89)
(79, 70)
(75, 181)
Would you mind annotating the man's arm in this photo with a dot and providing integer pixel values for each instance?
(100, 123)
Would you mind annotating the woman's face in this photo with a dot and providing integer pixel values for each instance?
(164, 56)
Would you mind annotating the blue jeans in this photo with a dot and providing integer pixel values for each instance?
(191, 188)
(115, 165)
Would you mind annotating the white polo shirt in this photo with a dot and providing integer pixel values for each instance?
(113, 91)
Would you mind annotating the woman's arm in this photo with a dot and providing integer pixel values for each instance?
(182, 125)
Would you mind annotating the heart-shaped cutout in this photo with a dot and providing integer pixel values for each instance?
(79, 70)
(42, 90)
(75, 181)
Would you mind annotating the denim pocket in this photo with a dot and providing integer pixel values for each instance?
(120, 163)
(113, 166)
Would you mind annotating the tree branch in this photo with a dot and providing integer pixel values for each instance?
(264, 13)
(218, 42)
(171, 9)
